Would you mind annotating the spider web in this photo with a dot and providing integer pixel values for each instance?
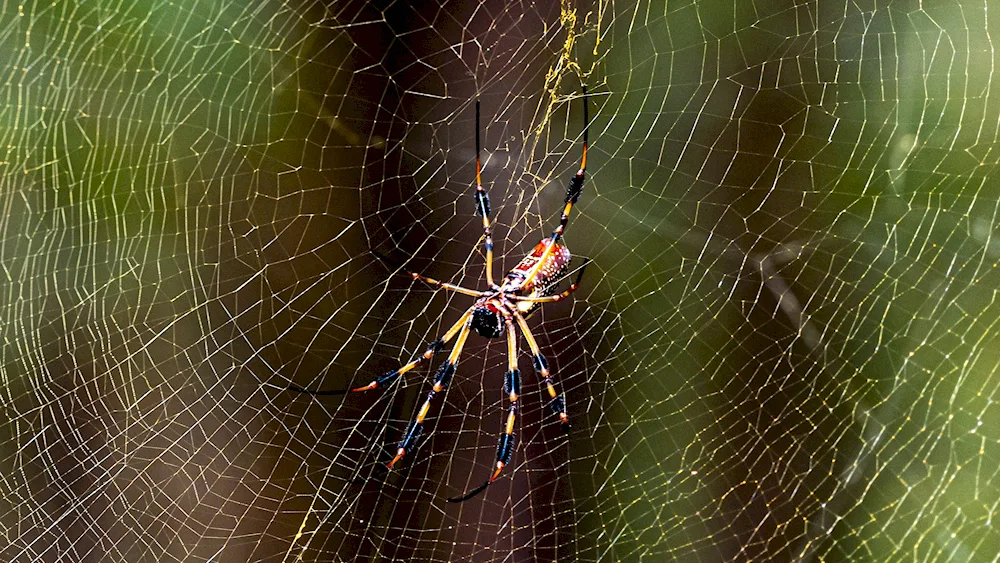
(785, 348)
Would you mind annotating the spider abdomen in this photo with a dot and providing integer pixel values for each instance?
(554, 268)
(544, 283)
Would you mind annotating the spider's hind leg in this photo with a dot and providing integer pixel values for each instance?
(483, 209)
(573, 193)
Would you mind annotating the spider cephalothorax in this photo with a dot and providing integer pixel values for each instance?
(487, 320)
(525, 288)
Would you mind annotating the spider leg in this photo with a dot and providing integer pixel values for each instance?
(557, 402)
(441, 379)
(389, 376)
(572, 196)
(429, 281)
(512, 386)
(557, 297)
(483, 208)
(448, 286)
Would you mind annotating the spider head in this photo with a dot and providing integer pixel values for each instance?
(487, 322)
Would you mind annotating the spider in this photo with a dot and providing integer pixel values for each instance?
(532, 282)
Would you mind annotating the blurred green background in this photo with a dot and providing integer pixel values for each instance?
(785, 348)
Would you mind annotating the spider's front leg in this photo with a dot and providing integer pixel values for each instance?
(390, 376)
(512, 386)
(441, 379)
(557, 402)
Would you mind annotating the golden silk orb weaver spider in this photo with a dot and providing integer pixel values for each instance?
(532, 282)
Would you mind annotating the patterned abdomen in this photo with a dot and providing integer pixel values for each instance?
(545, 281)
